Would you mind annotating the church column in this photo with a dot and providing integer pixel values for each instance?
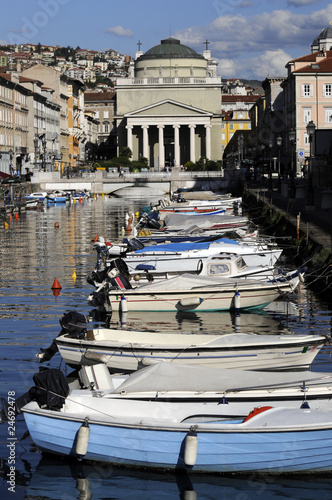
(130, 136)
(208, 141)
(161, 146)
(192, 143)
(177, 145)
(145, 141)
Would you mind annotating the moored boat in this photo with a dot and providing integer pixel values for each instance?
(128, 350)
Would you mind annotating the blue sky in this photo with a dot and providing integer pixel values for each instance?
(249, 38)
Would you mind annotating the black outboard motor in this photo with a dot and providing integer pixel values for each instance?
(72, 323)
(50, 390)
(135, 244)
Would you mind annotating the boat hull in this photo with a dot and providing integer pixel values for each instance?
(197, 299)
(129, 356)
(162, 446)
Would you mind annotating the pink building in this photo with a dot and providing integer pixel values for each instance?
(308, 97)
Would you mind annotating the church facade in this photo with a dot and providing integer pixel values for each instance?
(169, 108)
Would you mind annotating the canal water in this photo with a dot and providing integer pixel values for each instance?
(38, 247)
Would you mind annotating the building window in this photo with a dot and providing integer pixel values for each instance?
(306, 115)
(97, 115)
(328, 115)
(240, 125)
(106, 114)
(222, 136)
(306, 90)
(305, 138)
(231, 126)
(106, 128)
(327, 89)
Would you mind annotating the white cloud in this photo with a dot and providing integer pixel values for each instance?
(119, 31)
(271, 62)
(232, 34)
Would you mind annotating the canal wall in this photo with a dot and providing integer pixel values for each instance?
(304, 234)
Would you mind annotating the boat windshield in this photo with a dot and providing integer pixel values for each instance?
(218, 269)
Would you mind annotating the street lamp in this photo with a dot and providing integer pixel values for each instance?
(240, 148)
(11, 170)
(270, 169)
(36, 145)
(311, 127)
(292, 139)
(44, 153)
(279, 142)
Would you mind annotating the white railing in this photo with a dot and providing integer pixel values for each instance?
(169, 81)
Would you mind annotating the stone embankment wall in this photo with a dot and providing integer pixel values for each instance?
(304, 244)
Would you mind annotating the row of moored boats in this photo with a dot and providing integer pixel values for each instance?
(230, 403)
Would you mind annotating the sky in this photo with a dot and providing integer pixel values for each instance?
(250, 39)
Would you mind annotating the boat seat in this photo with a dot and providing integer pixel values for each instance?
(96, 376)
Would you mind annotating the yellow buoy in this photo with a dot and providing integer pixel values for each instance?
(74, 275)
(6, 225)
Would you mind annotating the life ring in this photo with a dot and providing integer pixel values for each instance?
(256, 411)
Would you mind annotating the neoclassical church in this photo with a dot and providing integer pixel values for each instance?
(169, 108)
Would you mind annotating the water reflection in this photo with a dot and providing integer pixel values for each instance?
(70, 480)
(32, 253)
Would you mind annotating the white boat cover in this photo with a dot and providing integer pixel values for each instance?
(202, 220)
(165, 376)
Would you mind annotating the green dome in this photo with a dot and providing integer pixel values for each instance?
(170, 48)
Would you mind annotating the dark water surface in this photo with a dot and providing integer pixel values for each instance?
(33, 252)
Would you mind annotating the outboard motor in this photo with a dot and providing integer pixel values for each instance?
(50, 391)
(72, 323)
(135, 244)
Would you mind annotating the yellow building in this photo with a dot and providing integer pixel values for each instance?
(234, 122)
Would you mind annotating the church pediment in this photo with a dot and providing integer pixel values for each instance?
(168, 108)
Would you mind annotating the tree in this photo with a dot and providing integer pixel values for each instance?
(126, 152)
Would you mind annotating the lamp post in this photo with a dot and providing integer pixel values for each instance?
(11, 169)
(311, 127)
(44, 153)
(240, 148)
(262, 149)
(270, 167)
(279, 142)
(292, 138)
(36, 145)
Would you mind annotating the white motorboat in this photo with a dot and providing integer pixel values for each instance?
(189, 292)
(186, 257)
(104, 425)
(128, 350)
(36, 196)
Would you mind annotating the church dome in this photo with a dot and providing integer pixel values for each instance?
(324, 40)
(325, 33)
(170, 48)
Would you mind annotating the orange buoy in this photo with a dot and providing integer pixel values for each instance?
(56, 225)
(56, 285)
(16, 216)
(10, 217)
(96, 238)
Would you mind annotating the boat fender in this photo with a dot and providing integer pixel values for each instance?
(83, 439)
(189, 303)
(256, 411)
(123, 305)
(199, 266)
(190, 448)
(301, 277)
(237, 300)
